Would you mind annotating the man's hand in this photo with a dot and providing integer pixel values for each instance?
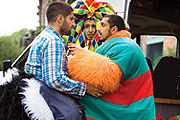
(73, 48)
(94, 91)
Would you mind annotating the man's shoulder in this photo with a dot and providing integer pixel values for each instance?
(118, 41)
(48, 36)
(124, 41)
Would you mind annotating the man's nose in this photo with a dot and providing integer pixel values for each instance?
(90, 28)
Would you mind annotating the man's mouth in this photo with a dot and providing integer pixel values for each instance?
(90, 34)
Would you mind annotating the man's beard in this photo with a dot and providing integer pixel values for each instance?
(102, 40)
(65, 32)
(64, 29)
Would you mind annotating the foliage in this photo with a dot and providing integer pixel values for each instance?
(10, 46)
(156, 61)
(171, 52)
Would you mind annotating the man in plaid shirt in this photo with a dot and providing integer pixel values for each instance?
(47, 61)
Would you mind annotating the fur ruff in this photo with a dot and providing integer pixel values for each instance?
(34, 104)
(10, 101)
(20, 98)
(95, 69)
(9, 76)
(122, 33)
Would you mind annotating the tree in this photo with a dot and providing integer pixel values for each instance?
(10, 46)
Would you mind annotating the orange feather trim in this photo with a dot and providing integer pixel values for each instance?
(122, 33)
(95, 69)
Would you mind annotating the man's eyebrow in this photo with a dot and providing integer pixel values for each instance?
(102, 23)
(86, 25)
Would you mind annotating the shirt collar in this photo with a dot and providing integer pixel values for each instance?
(53, 31)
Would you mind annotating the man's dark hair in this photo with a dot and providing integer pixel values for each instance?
(115, 20)
(57, 8)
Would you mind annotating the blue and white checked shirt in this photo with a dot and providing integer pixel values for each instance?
(47, 61)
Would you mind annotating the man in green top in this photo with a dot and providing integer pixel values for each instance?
(133, 99)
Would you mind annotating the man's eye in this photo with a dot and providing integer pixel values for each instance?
(93, 26)
(102, 24)
(86, 26)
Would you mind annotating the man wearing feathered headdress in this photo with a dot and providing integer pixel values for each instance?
(88, 16)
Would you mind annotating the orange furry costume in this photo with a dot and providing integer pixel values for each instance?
(95, 69)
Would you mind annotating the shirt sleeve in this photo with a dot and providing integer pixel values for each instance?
(55, 70)
(123, 56)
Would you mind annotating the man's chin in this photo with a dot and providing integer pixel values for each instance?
(89, 38)
(101, 39)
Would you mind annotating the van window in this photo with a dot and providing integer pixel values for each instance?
(155, 47)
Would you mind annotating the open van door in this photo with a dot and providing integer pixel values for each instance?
(162, 54)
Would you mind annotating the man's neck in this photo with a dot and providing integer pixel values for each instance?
(55, 28)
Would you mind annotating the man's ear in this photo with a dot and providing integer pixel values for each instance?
(114, 29)
(60, 18)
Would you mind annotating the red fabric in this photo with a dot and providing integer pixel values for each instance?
(89, 45)
(85, 40)
(80, 32)
(96, 5)
(83, 7)
(89, 119)
(173, 118)
(132, 90)
(159, 117)
(89, 2)
(96, 37)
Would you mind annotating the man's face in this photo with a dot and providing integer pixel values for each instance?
(68, 24)
(104, 29)
(89, 29)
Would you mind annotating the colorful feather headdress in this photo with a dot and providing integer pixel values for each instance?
(87, 9)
